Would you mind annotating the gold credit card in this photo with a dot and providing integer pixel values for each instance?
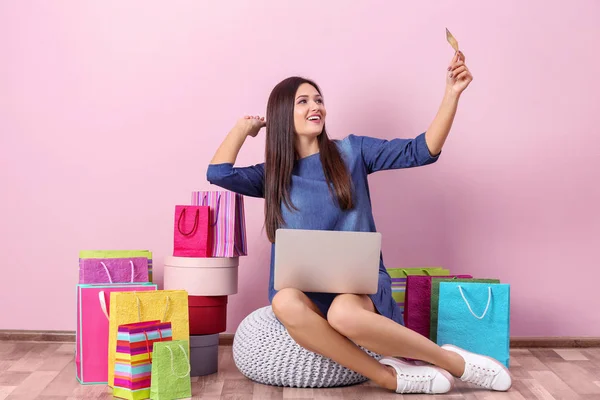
(451, 40)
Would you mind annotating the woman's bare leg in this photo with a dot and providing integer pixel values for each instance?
(308, 327)
(354, 317)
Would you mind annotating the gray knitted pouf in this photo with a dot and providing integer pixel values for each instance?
(264, 352)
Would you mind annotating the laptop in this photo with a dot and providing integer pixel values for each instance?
(327, 261)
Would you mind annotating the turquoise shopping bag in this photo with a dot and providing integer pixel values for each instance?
(476, 317)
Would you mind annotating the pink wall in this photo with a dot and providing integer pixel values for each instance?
(110, 113)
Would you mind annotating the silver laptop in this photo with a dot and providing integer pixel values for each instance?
(327, 261)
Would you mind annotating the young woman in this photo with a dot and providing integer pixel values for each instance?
(311, 182)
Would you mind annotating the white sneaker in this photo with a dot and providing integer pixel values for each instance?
(412, 378)
(482, 370)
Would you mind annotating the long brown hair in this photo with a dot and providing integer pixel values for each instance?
(280, 155)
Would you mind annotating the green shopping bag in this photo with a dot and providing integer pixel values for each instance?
(435, 300)
(399, 275)
(171, 368)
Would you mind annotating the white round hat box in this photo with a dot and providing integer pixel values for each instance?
(202, 276)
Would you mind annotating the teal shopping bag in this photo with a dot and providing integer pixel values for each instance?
(476, 317)
(435, 300)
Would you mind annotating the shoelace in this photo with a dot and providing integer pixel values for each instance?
(414, 383)
(479, 375)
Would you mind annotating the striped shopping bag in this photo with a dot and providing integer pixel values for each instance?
(399, 275)
(227, 222)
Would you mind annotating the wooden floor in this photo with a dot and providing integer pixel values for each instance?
(35, 370)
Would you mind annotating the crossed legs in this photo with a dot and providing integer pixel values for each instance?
(352, 318)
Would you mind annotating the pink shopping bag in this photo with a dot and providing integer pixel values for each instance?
(227, 227)
(113, 270)
(191, 237)
(91, 350)
(417, 304)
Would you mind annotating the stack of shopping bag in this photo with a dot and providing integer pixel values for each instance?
(209, 236)
(120, 316)
(139, 322)
(102, 272)
(133, 358)
(399, 278)
(471, 313)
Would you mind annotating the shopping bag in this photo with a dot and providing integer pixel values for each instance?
(133, 363)
(91, 333)
(118, 254)
(399, 276)
(417, 304)
(191, 237)
(476, 317)
(164, 305)
(171, 371)
(227, 228)
(113, 270)
(435, 300)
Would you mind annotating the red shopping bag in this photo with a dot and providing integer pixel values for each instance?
(191, 233)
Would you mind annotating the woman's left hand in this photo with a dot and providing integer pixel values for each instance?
(459, 76)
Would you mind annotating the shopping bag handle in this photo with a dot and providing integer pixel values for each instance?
(173, 359)
(148, 343)
(469, 306)
(102, 299)
(204, 198)
(427, 272)
(139, 310)
(193, 227)
(108, 273)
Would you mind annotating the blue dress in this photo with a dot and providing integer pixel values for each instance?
(363, 155)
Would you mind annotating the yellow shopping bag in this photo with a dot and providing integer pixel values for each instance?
(128, 307)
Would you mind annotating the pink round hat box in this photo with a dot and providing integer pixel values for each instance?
(200, 276)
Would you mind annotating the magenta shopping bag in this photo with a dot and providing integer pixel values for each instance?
(417, 304)
(91, 338)
(113, 270)
(227, 226)
(191, 237)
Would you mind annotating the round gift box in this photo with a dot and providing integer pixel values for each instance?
(199, 276)
(208, 314)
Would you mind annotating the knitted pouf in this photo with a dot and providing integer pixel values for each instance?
(264, 352)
